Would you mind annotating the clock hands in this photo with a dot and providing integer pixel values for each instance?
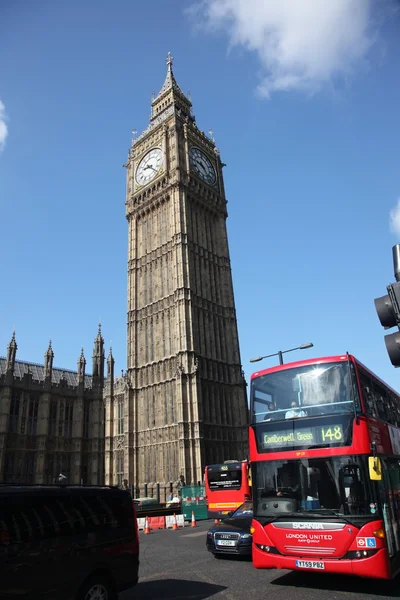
(149, 167)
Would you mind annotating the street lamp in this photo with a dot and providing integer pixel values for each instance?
(281, 352)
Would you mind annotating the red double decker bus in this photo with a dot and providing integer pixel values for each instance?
(325, 456)
(227, 486)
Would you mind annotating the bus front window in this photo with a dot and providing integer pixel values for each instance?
(338, 485)
(312, 390)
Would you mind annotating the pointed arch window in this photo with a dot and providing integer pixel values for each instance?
(120, 417)
(86, 421)
(14, 412)
(68, 419)
(53, 418)
(32, 415)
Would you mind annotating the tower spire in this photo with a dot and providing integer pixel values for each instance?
(170, 96)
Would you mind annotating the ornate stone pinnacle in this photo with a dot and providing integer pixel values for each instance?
(170, 60)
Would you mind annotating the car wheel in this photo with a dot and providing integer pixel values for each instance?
(97, 588)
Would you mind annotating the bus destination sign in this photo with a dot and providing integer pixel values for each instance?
(320, 435)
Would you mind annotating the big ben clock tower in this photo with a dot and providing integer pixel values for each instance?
(186, 401)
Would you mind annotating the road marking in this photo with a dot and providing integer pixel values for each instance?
(195, 534)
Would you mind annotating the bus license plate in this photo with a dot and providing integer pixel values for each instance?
(226, 543)
(310, 564)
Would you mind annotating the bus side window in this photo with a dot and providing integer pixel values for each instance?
(366, 387)
(381, 402)
(391, 409)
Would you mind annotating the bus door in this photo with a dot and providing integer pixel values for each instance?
(391, 504)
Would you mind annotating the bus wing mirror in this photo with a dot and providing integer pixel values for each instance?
(375, 468)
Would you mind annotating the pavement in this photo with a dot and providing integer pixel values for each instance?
(176, 565)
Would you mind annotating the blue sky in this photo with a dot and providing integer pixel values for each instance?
(303, 101)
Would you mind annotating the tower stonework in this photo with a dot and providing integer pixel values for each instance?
(185, 402)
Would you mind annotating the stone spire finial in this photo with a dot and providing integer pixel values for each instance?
(110, 364)
(170, 60)
(98, 355)
(48, 361)
(81, 366)
(11, 353)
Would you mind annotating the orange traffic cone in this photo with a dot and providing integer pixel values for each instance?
(194, 524)
(175, 524)
(146, 526)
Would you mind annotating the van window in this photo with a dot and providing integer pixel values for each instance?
(24, 518)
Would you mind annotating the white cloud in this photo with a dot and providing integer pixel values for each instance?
(394, 219)
(3, 126)
(302, 44)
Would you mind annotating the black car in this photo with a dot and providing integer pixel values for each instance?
(232, 535)
(67, 542)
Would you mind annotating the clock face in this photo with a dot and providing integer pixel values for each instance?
(149, 166)
(201, 165)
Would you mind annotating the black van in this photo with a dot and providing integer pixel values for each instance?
(67, 542)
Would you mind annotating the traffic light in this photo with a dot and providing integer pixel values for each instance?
(388, 309)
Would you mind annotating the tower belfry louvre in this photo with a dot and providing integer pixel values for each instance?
(182, 402)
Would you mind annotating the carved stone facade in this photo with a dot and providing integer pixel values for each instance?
(182, 403)
(51, 421)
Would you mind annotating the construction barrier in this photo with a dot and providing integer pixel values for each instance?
(141, 523)
(194, 500)
(171, 520)
(157, 522)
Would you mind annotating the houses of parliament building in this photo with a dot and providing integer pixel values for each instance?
(181, 403)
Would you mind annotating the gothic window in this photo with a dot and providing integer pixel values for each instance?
(68, 419)
(50, 475)
(85, 471)
(151, 341)
(172, 406)
(165, 406)
(24, 413)
(86, 421)
(120, 467)
(53, 418)
(147, 410)
(32, 415)
(28, 473)
(160, 226)
(163, 335)
(61, 416)
(146, 285)
(14, 412)
(154, 411)
(120, 417)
